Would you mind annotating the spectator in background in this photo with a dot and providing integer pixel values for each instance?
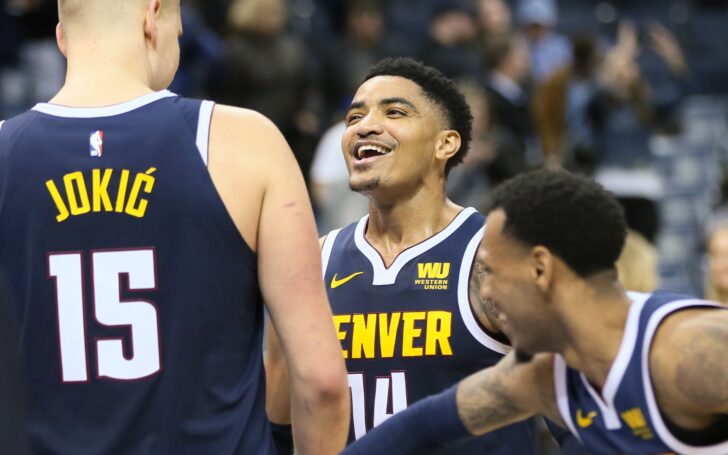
(408, 22)
(561, 110)
(548, 49)
(468, 184)
(39, 70)
(452, 47)
(266, 70)
(623, 117)
(201, 56)
(494, 20)
(637, 265)
(509, 67)
(716, 287)
(346, 60)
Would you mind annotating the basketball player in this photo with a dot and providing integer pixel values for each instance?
(626, 373)
(398, 279)
(140, 231)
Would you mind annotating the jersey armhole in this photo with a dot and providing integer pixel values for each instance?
(326, 249)
(204, 120)
(466, 312)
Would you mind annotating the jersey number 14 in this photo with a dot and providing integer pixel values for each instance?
(109, 310)
(394, 386)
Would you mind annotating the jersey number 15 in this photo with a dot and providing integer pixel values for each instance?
(109, 310)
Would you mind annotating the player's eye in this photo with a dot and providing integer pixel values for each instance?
(395, 112)
(352, 118)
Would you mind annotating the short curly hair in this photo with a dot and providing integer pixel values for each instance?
(440, 90)
(574, 217)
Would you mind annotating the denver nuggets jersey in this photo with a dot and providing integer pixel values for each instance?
(625, 417)
(407, 330)
(140, 314)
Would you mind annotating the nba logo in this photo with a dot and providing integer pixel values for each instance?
(96, 143)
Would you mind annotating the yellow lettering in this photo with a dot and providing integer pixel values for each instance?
(58, 201)
(121, 195)
(388, 333)
(147, 180)
(338, 320)
(363, 336)
(433, 269)
(439, 327)
(100, 190)
(410, 332)
(73, 203)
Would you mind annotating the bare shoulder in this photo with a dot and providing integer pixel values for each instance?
(689, 364)
(240, 131)
(247, 156)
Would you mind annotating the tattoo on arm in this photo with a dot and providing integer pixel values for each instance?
(488, 407)
(500, 395)
(702, 372)
(477, 276)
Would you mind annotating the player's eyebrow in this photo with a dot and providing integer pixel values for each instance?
(356, 105)
(384, 102)
(399, 100)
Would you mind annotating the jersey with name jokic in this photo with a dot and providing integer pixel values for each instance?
(141, 318)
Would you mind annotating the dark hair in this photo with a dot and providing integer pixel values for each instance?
(572, 216)
(440, 90)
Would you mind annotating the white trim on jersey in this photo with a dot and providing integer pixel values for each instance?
(662, 431)
(384, 275)
(1, 124)
(619, 364)
(203, 129)
(105, 111)
(326, 250)
(466, 313)
(562, 396)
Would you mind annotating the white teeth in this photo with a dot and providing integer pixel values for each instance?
(371, 148)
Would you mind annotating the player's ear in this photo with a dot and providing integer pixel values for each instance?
(61, 40)
(542, 267)
(150, 21)
(448, 144)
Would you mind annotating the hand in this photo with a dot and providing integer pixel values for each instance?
(666, 46)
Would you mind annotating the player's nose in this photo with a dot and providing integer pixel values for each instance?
(369, 125)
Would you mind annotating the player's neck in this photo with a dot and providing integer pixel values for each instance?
(95, 78)
(593, 324)
(394, 227)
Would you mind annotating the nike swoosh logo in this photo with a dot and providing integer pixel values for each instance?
(585, 421)
(336, 283)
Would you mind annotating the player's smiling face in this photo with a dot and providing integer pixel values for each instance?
(392, 132)
(508, 289)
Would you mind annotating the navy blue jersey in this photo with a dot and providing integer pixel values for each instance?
(407, 331)
(625, 417)
(140, 313)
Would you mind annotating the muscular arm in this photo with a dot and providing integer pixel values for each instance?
(485, 401)
(506, 393)
(689, 367)
(260, 183)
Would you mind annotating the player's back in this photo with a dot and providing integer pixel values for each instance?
(141, 317)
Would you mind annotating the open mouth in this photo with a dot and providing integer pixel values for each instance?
(368, 151)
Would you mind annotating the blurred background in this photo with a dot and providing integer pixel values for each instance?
(632, 93)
